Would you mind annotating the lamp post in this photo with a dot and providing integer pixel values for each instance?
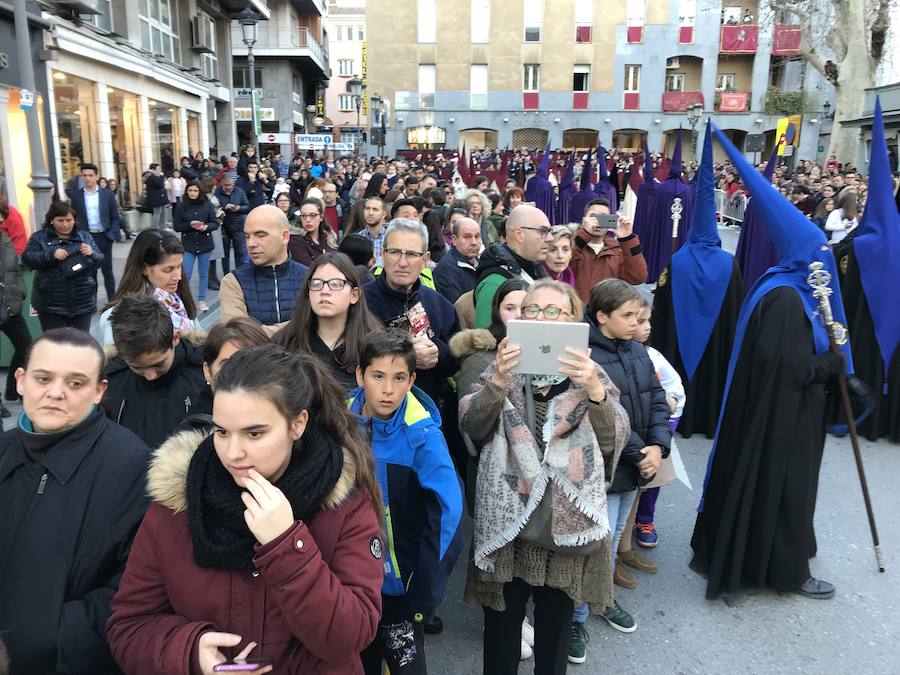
(249, 25)
(826, 109)
(377, 106)
(694, 113)
(355, 87)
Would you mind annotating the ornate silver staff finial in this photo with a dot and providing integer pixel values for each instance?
(676, 210)
(819, 280)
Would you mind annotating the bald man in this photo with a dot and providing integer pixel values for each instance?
(520, 256)
(267, 288)
(457, 271)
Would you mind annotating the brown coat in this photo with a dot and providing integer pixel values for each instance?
(618, 259)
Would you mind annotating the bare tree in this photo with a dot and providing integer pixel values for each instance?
(845, 41)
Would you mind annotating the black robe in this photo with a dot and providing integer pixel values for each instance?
(756, 528)
(884, 421)
(705, 391)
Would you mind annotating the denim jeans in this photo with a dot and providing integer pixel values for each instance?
(158, 219)
(234, 238)
(618, 506)
(203, 263)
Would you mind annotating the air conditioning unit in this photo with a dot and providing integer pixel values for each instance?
(673, 62)
(199, 37)
(81, 6)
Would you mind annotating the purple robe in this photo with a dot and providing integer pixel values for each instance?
(755, 251)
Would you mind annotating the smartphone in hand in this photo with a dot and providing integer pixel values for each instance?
(606, 221)
(242, 665)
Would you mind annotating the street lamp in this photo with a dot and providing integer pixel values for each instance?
(377, 106)
(355, 87)
(694, 113)
(826, 108)
(249, 24)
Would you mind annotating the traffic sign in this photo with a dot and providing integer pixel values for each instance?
(342, 147)
(315, 139)
(281, 138)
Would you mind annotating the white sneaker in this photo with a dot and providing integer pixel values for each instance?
(527, 632)
(202, 306)
(527, 651)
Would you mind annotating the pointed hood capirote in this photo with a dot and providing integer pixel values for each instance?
(675, 166)
(586, 194)
(604, 188)
(755, 251)
(539, 189)
(799, 243)
(701, 270)
(877, 246)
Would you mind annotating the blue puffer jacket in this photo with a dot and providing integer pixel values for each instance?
(54, 292)
(422, 500)
(629, 366)
(271, 292)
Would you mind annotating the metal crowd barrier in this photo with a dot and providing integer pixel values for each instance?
(730, 211)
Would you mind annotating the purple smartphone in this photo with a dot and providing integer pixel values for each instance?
(241, 665)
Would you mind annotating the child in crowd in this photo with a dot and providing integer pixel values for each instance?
(422, 499)
(645, 506)
(613, 310)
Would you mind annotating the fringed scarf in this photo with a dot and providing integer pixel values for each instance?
(513, 472)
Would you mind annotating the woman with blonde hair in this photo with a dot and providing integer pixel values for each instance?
(559, 255)
(479, 209)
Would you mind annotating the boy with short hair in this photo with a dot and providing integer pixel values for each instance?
(155, 373)
(422, 499)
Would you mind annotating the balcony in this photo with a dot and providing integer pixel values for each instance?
(680, 101)
(285, 43)
(741, 39)
(732, 101)
(786, 41)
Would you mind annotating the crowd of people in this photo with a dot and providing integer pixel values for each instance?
(291, 486)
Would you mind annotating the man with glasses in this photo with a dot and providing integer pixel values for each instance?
(400, 300)
(334, 210)
(527, 242)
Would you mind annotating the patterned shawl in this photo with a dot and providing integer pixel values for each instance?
(514, 473)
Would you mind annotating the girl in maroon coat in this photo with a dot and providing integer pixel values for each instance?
(263, 540)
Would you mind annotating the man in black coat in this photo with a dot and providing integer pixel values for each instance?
(98, 213)
(233, 201)
(155, 195)
(156, 374)
(72, 486)
(457, 272)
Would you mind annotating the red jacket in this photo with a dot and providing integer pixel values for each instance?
(618, 259)
(312, 605)
(14, 227)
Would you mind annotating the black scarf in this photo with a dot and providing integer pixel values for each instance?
(215, 511)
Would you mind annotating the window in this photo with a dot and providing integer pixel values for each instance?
(427, 85)
(532, 77)
(345, 67)
(102, 20)
(534, 18)
(725, 82)
(209, 62)
(584, 20)
(687, 12)
(632, 78)
(635, 11)
(481, 21)
(427, 21)
(581, 80)
(345, 102)
(360, 33)
(675, 82)
(478, 86)
(159, 28)
(241, 78)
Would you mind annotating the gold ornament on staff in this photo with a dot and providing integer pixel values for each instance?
(676, 211)
(819, 280)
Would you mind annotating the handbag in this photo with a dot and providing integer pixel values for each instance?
(539, 526)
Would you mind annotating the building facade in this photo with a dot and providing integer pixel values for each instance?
(292, 70)
(139, 82)
(498, 73)
(346, 24)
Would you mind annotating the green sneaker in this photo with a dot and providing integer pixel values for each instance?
(618, 619)
(578, 643)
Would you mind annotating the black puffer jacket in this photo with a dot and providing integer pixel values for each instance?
(195, 241)
(12, 284)
(54, 292)
(628, 364)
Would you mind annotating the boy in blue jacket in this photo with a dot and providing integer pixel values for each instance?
(422, 499)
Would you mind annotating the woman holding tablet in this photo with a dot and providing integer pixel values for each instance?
(565, 432)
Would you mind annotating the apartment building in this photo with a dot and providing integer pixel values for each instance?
(346, 23)
(520, 72)
(291, 73)
(140, 81)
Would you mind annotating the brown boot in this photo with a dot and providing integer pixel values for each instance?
(637, 561)
(624, 578)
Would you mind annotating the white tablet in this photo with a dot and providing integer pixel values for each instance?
(544, 342)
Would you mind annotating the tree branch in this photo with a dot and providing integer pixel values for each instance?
(807, 50)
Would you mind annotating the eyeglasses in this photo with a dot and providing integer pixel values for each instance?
(550, 312)
(310, 216)
(542, 231)
(329, 192)
(396, 253)
(333, 284)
